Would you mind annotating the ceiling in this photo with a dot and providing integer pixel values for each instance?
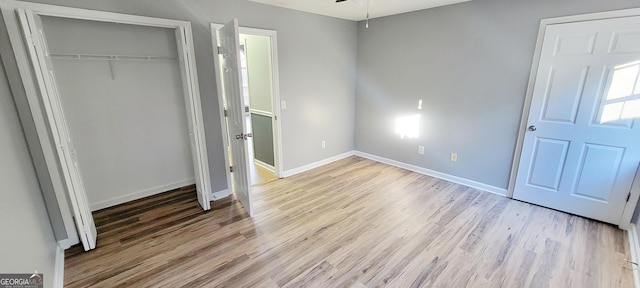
(356, 9)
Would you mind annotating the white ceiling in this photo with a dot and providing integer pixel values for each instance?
(356, 9)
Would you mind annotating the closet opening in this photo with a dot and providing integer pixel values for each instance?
(115, 102)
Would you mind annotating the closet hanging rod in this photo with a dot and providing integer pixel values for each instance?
(70, 56)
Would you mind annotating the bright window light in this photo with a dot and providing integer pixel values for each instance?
(622, 99)
(408, 126)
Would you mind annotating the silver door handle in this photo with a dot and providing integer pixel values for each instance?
(532, 128)
(243, 136)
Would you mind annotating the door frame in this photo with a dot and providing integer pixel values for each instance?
(276, 120)
(625, 222)
(46, 130)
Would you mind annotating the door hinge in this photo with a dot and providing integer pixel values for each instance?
(43, 42)
(33, 39)
(275, 117)
(231, 169)
(226, 114)
(628, 196)
(219, 50)
(184, 37)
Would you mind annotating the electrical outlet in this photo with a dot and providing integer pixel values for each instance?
(454, 157)
(420, 149)
(324, 144)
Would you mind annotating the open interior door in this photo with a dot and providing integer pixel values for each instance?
(37, 47)
(229, 58)
(580, 151)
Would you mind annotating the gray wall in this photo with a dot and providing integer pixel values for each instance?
(259, 67)
(27, 242)
(262, 129)
(57, 215)
(470, 64)
(258, 49)
(317, 60)
(127, 117)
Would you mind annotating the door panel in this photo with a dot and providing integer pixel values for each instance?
(599, 167)
(37, 47)
(564, 93)
(229, 57)
(548, 163)
(580, 154)
(567, 45)
(618, 103)
(193, 108)
(626, 42)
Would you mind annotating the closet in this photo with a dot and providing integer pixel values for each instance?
(115, 102)
(122, 98)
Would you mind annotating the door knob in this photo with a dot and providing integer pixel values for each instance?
(242, 136)
(532, 128)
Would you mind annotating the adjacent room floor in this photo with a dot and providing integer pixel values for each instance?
(352, 223)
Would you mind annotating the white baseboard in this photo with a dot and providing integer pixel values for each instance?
(314, 165)
(220, 194)
(264, 165)
(140, 194)
(634, 250)
(436, 174)
(58, 277)
(67, 243)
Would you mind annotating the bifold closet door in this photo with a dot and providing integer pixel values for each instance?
(121, 90)
(65, 148)
(118, 96)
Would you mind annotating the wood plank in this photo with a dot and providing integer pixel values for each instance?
(351, 223)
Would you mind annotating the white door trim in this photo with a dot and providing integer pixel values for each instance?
(33, 95)
(277, 127)
(625, 221)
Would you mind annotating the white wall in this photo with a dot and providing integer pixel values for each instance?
(27, 243)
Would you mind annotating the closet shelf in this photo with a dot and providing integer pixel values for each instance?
(67, 56)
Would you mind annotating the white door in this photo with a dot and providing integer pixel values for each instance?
(194, 115)
(581, 149)
(33, 33)
(229, 59)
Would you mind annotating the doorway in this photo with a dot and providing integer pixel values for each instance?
(579, 135)
(260, 89)
(257, 84)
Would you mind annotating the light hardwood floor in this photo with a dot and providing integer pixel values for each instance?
(260, 174)
(352, 223)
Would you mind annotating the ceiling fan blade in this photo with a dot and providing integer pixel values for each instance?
(338, 1)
